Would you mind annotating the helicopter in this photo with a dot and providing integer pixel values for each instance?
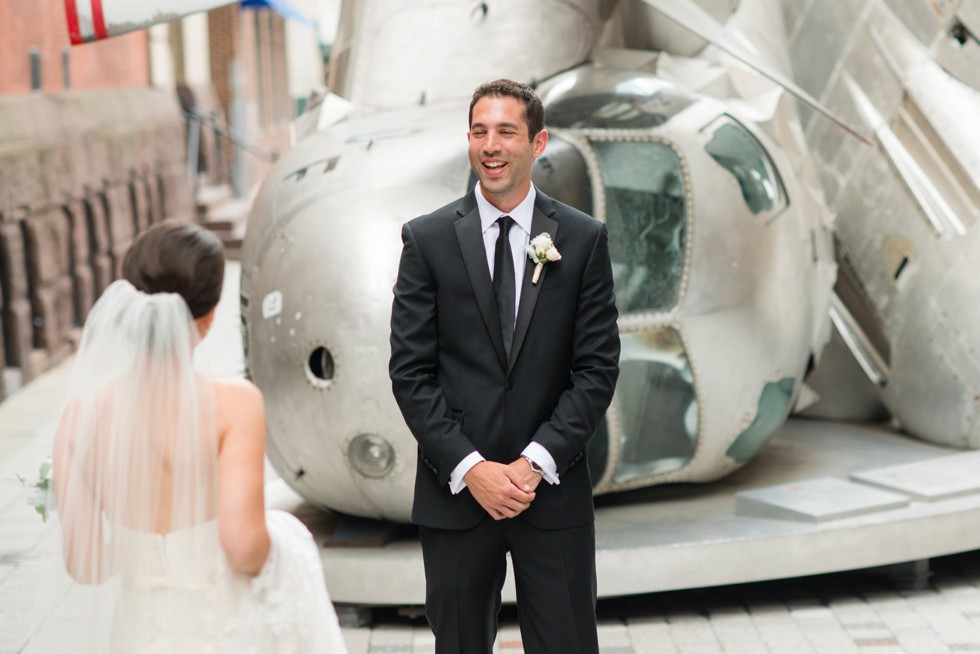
(791, 192)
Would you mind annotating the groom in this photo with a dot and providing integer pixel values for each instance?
(503, 367)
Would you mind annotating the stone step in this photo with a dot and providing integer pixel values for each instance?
(227, 220)
(232, 211)
(209, 197)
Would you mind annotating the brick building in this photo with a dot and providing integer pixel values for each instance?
(249, 78)
(36, 29)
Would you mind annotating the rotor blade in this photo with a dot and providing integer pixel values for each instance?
(94, 20)
(697, 21)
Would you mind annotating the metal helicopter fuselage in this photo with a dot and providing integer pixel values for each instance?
(908, 208)
(722, 263)
(719, 235)
(720, 224)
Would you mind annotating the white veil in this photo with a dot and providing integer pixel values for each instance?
(135, 462)
(136, 543)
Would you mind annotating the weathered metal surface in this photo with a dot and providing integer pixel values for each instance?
(398, 54)
(718, 337)
(907, 209)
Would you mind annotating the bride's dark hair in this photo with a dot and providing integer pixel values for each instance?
(180, 258)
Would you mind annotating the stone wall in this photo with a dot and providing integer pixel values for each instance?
(80, 175)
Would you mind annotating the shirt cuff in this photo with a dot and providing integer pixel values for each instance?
(456, 482)
(540, 455)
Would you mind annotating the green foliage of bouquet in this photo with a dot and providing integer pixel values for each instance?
(40, 489)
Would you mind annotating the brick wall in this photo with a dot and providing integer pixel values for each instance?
(119, 62)
(254, 41)
(223, 31)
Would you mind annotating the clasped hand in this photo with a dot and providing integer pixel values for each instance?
(504, 491)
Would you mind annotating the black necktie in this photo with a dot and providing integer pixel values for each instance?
(503, 282)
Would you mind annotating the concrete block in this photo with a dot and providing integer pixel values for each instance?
(119, 210)
(53, 311)
(15, 310)
(815, 500)
(177, 195)
(79, 238)
(18, 332)
(80, 260)
(122, 226)
(930, 480)
(83, 291)
(102, 273)
(154, 199)
(48, 246)
(141, 205)
(13, 261)
(98, 223)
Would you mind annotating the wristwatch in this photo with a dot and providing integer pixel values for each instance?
(534, 466)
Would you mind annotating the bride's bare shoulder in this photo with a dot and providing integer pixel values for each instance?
(237, 400)
(236, 387)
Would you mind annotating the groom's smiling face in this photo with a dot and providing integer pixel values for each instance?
(501, 150)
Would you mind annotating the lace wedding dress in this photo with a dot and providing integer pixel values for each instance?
(183, 599)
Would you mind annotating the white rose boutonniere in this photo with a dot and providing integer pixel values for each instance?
(541, 250)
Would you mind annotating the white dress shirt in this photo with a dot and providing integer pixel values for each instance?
(518, 239)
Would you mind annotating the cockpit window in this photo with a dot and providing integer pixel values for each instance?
(741, 154)
(646, 215)
(617, 111)
(657, 405)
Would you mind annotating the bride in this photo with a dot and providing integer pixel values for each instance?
(158, 477)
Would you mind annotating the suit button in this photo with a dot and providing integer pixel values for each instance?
(509, 385)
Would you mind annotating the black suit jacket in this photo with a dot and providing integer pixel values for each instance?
(451, 380)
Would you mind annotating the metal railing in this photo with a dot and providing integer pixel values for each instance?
(221, 171)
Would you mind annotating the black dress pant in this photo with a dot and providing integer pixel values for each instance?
(554, 573)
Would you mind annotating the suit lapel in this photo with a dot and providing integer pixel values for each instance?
(541, 221)
(470, 238)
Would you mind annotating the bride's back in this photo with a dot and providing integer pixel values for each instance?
(158, 474)
(145, 442)
(153, 452)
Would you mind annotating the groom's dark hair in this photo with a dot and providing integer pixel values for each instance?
(181, 258)
(533, 109)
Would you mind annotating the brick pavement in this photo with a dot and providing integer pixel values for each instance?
(859, 612)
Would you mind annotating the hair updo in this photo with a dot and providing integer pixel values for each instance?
(180, 258)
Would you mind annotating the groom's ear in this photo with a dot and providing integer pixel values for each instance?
(539, 143)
